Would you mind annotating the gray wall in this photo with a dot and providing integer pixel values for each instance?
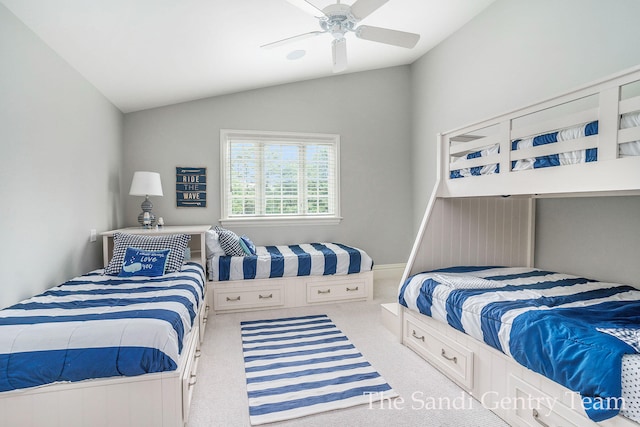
(370, 111)
(514, 53)
(595, 237)
(60, 151)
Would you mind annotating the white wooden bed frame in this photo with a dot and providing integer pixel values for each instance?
(288, 292)
(152, 400)
(468, 222)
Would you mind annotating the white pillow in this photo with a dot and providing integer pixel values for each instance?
(213, 244)
(462, 281)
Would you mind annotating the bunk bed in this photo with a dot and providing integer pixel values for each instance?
(284, 276)
(115, 346)
(470, 283)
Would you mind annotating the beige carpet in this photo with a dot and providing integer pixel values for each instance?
(220, 397)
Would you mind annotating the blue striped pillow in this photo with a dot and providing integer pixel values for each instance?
(247, 245)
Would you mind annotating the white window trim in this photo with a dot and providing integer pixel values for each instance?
(273, 220)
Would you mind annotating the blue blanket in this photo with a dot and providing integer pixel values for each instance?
(550, 323)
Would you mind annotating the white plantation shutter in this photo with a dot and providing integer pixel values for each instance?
(270, 175)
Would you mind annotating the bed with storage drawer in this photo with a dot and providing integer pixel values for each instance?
(535, 347)
(253, 277)
(116, 346)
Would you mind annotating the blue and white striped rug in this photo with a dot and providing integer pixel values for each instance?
(300, 366)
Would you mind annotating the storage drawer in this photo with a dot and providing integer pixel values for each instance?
(455, 360)
(204, 317)
(531, 407)
(234, 299)
(335, 291)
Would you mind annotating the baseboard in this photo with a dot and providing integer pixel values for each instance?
(389, 271)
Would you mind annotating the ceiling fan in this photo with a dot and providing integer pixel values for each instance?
(339, 19)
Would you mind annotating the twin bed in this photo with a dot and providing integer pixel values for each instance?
(536, 347)
(286, 276)
(97, 326)
(116, 346)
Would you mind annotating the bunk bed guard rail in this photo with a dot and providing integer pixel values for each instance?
(594, 131)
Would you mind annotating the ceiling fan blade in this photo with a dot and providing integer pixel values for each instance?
(387, 36)
(339, 48)
(307, 7)
(292, 39)
(363, 8)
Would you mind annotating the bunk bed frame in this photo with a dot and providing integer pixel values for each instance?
(469, 221)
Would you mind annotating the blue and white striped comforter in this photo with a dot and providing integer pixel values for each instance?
(563, 327)
(97, 326)
(627, 149)
(308, 259)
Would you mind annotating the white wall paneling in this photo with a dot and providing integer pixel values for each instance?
(475, 231)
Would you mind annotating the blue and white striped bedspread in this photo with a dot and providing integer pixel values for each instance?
(627, 149)
(553, 324)
(97, 326)
(307, 259)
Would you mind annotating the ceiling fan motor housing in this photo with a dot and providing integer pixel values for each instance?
(338, 20)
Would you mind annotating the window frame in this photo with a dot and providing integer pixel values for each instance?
(274, 220)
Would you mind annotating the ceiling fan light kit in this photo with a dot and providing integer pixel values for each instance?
(339, 50)
(339, 19)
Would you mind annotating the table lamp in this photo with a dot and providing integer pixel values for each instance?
(146, 184)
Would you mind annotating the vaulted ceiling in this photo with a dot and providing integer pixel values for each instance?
(146, 53)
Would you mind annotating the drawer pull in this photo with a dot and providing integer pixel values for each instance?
(198, 354)
(234, 299)
(413, 333)
(265, 296)
(193, 380)
(352, 289)
(454, 359)
(536, 417)
(328, 291)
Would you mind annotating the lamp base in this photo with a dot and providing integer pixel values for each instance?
(149, 220)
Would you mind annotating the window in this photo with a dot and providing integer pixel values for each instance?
(279, 178)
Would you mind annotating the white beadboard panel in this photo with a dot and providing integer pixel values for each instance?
(475, 231)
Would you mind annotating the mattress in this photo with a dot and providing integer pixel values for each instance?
(308, 259)
(626, 149)
(97, 326)
(581, 333)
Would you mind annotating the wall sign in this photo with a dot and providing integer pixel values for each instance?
(191, 187)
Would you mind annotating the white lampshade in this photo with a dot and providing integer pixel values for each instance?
(146, 184)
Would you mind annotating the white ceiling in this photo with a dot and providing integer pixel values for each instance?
(146, 53)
